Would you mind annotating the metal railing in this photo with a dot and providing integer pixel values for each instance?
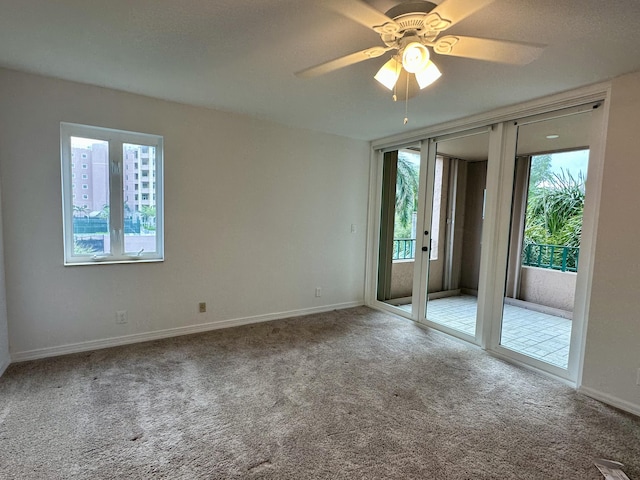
(404, 248)
(554, 257)
(89, 225)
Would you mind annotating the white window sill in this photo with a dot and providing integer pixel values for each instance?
(114, 261)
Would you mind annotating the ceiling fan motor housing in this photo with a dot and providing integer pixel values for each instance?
(410, 16)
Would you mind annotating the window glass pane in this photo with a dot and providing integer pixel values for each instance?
(90, 196)
(139, 199)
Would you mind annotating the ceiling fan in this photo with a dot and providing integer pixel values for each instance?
(409, 29)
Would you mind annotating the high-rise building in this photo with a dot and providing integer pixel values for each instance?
(89, 172)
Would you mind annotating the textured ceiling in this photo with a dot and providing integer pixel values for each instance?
(240, 55)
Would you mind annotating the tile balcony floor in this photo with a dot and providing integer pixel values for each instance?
(538, 335)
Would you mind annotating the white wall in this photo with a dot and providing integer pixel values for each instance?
(257, 216)
(4, 332)
(612, 354)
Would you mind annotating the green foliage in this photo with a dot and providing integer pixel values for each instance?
(406, 197)
(540, 171)
(79, 249)
(105, 212)
(80, 211)
(554, 210)
(147, 213)
(554, 214)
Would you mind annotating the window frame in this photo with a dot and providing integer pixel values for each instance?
(116, 139)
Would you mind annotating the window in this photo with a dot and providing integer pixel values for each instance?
(109, 227)
(85, 176)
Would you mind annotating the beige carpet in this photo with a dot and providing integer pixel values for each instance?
(348, 394)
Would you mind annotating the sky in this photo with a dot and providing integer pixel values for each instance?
(573, 162)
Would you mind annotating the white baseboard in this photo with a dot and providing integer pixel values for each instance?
(169, 332)
(611, 400)
(3, 366)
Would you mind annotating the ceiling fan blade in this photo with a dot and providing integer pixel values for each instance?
(450, 12)
(341, 62)
(364, 14)
(500, 51)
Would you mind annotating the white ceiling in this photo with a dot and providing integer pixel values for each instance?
(240, 56)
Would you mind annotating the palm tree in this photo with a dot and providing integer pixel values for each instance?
(105, 212)
(554, 213)
(80, 210)
(406, 191)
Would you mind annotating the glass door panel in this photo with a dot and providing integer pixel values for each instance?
(397, 246)
(456, 221)
(544, 239)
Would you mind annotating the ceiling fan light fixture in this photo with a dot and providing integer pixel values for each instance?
(415, 57)
(389, 73)
(428, 75)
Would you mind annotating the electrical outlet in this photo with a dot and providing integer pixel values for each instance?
(354, 228)
(638, 377)
(121, 317)
(202, 306)
(318, 292)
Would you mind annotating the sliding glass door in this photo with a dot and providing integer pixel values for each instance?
(454, 214)
(487, 234)
(547, 206)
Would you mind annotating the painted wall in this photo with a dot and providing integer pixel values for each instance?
(4, 332)
(612, 356)
(472, 236)
(257, 216)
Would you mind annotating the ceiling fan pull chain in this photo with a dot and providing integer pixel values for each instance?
(406, 103)
(395, 85)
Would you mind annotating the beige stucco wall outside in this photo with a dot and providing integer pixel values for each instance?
(550, 288)
(402, 278)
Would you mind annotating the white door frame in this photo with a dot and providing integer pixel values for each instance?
(502, 227)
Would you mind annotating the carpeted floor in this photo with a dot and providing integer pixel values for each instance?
(353, 394)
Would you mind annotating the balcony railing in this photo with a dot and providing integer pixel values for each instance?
(404, 248)
(554, 257)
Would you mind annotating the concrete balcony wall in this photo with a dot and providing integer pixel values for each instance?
(402, 278)
(550, 288)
